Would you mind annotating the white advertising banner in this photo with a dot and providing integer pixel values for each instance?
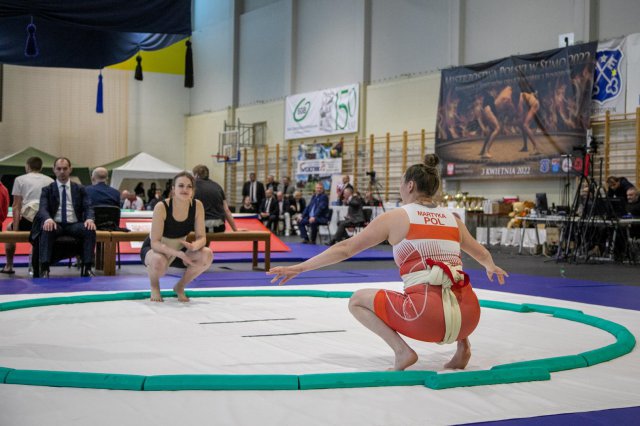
(610, 77)
(322, 113)
(324, 167)
(633, 69)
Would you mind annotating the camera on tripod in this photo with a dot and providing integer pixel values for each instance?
(372, 175)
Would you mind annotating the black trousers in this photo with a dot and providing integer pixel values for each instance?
(341, 232)
(75, 230)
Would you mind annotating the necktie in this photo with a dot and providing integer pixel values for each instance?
(252, 193)
(63, 204)
(266, 208)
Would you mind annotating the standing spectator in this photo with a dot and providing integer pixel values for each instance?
(216, 209)
(26, 201)
(314, 214)
(283, 213)
(269, 211)
(133, 202)
(100, 193)
(140, 192)
(354, 217)
(253, 189)
(246, 206)
(65, 209)
(288, 188)
(272, 184)
(167, 189)
(151, 192)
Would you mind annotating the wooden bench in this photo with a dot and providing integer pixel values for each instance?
(254, 236)
(108, 241)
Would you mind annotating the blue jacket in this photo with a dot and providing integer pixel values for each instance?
(321, 203)
(102, 194)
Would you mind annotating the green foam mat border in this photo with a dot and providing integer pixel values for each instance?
(529, 370)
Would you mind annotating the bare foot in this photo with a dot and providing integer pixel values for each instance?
(180, 293)
(156, 296)
(486, 156)
(461, 357)
(404, 360)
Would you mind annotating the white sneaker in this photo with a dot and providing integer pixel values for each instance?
(287, 234)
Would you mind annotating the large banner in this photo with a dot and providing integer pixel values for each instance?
(517, 116)
(317, 163)
(322, 113)
(609, 82)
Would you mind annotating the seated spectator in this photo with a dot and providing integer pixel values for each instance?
(296, 206)
(341, 187)
(247, 206)
(314, 214)
(617, 187)
(633, 202)
(370, 200)
(354, 217)
(133, 202)
(100, 193)
(283, 212)
(65, 209)
(269, 211)
(157, 197)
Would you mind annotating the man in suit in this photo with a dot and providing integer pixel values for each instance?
(284, 214)
(354, 217)
(100, 193)
(65, 209)
(269, 211)
(272, 184)
(297, 204)
(288, 188)
(314, 214)
(253, 189)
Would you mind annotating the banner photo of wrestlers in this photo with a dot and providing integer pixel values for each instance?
(516, 117)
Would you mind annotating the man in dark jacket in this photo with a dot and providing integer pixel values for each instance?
(269, 211)
(314, 214)
(216, 209)
(355, 215)
(253, 189)
(100, 193)
(65, 209)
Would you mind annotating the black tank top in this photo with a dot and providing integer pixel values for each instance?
(175, 229)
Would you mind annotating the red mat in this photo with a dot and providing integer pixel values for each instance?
(218, 247)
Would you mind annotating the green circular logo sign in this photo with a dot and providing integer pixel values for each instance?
(301, 110)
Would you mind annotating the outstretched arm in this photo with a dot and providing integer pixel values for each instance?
(474, 249)
(375, 233)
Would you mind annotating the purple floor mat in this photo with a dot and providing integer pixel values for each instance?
(619, 416)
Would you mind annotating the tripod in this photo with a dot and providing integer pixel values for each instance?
(373, 183)
(592, 216)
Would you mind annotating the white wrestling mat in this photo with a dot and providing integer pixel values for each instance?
(294, 335)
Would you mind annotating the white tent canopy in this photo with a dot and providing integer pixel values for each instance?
(143, 166)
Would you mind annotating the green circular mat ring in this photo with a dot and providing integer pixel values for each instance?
(538, 369)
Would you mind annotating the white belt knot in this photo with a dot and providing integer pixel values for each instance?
(436, 275)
